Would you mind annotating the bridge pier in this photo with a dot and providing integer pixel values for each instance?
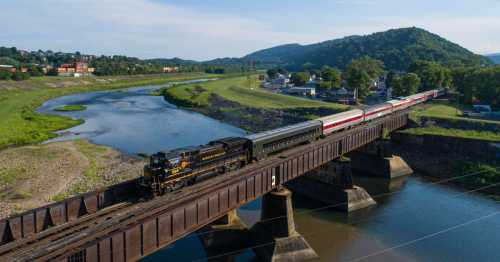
(377, 159)
(332, 184)
(274, 238)
(226, 235)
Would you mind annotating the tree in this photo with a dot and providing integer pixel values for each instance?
(34, 70)
(5, 75)
(272, 73)
(360, 74)
(389, 79)
(405, 85)
(300, 78)
(282, 71)
(432, 74)
(315, 72)
(20, 76)
(331, 76)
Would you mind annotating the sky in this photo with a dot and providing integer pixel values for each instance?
(207, 29)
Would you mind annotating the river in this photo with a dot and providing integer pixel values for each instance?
(414, 220)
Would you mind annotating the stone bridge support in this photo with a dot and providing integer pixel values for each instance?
(227, 235)
(377, 159)
(333, 184)
(274, 237)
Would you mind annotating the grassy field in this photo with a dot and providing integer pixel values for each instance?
(238, 90)
(445, 109)
(20, 124)
(471, 134)
(444, 113)
(69, 108)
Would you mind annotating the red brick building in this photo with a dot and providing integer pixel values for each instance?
(75, 69)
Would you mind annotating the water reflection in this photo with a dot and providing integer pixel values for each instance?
(133, 121)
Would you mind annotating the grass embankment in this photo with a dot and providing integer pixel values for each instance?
(241, 103)
(445, 110)
(31, 176)
(70, 108)
(488, 176)
(447, 120)
(237, 90)
(469, 134)
(21, 125)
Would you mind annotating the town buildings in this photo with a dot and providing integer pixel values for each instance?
(170, 69)
(13, 69)
(75, 69)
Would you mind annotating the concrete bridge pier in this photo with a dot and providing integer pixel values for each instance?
(377, 159)
(274, 238)
(333, 184)
(225, 236)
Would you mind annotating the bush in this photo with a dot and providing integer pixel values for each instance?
(5, 75)
(20, 76)
(35, 71)
(53, 72)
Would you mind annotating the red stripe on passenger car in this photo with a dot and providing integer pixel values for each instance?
(378, 111)
(342, 122)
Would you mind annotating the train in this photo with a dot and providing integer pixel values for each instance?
(175, 169)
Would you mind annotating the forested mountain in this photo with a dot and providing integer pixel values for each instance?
(495, 58)
(397, 48)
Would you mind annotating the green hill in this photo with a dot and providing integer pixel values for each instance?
(397, 48)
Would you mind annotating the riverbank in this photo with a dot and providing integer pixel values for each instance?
(32, 176)
(240, 102)
(446, 119)
(21, 125)
(475, 161)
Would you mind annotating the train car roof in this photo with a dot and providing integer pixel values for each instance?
(280, 130)
(231, 141)
(353, 111)
(385, 104)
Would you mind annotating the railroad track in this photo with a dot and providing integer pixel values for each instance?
(22, 247)
(73, 234)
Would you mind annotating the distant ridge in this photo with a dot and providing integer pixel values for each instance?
(397, 48)
(494, 57)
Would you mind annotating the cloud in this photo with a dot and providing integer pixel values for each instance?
(145, 28)
(135, 27)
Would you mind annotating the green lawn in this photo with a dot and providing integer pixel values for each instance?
(20, 124)
(471, 134)
(444, 109)
(237, 90)
(69, 108)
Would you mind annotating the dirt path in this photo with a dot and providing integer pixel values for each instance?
(32, 176)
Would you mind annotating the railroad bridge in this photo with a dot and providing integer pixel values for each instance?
(111, 225)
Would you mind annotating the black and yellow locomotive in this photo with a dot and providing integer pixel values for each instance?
(175, 169)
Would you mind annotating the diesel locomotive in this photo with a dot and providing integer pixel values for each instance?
(169, 171)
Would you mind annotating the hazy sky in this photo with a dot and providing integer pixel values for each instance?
(205, 29)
